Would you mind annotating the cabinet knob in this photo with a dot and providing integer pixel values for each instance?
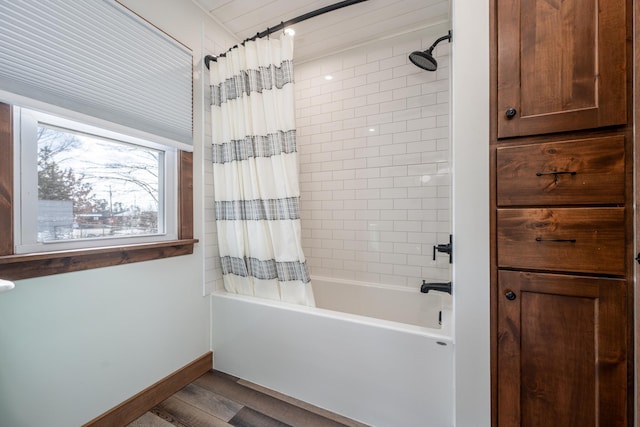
(510, 295)
(510, 113)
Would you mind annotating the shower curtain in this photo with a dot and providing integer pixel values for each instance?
(255, 172)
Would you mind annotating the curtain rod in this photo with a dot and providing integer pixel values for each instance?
(283, 25)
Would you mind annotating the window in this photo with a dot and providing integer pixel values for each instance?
(78, 196)
(80, 186)
(133, 79)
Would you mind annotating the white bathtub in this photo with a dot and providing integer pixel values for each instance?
(381, 372)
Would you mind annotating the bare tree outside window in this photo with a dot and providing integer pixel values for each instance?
(92, 187)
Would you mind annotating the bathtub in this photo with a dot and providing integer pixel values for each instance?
(377, 354)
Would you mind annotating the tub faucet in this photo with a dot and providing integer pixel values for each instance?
(442, 287)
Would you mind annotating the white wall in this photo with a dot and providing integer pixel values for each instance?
(212, 265)
(74, 345)
(470, 114)
(374, 153)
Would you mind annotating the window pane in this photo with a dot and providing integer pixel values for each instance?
(92, 187)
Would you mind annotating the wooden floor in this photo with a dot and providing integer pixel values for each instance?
(217, 399)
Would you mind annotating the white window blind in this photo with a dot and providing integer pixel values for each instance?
(97, 58)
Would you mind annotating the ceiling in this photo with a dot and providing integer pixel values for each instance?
(333, 31)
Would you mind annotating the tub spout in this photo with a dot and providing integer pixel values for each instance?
(442, 287)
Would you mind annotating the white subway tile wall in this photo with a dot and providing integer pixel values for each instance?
(374, 152)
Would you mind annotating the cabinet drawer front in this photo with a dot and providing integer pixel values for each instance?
(589, 240)
(587, 171)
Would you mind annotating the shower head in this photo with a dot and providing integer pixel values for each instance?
(425, 60)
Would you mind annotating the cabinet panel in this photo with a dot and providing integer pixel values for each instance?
(589, 171)
(561, 350)
(589, 240)
(561, 65)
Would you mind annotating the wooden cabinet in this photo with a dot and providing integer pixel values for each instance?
(561, 65)
(562, 347)
(562, 204)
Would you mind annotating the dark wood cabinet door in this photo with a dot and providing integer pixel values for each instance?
(561, 65)
(561, 351)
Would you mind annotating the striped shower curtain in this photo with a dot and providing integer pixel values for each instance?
(255, 172)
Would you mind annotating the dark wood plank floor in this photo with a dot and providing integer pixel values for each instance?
(217, 399)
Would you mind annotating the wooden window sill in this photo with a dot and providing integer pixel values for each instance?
(16, 267)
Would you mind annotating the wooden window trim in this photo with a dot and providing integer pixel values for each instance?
(24, 266)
